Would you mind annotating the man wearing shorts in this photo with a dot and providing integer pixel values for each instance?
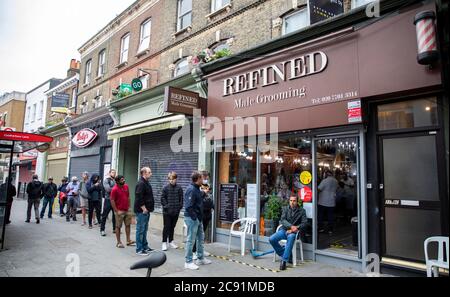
(84, 196)
(120, 203)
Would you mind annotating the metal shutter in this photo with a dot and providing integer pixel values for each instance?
(157, 154)
(56, 169)
(90, 164)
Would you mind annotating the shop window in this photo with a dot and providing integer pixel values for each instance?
(295, 21)
(237, 171)
(285, 172)
(408, 114)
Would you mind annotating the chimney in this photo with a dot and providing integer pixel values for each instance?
(74, 68)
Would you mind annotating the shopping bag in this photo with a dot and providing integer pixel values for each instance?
(55, 205)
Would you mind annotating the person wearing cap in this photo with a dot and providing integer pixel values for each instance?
(62, 189)
(50, 190)
(73, 189)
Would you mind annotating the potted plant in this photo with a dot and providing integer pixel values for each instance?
(272, 215)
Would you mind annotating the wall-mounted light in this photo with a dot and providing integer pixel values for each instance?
(426, 37)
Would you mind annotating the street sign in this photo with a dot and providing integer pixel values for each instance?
(136, 84)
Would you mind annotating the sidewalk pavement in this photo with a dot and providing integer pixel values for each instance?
(41, 250)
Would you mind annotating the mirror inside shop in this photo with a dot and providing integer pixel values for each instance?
(286, 170)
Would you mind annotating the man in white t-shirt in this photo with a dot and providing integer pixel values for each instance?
(327, 201)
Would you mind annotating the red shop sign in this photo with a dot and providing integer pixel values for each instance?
(27, 137)
(306, 194)
(84, 138)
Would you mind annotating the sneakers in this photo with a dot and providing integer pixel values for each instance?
(203, 261)
(148, 250)
(194, 256)
(164, 246)
(142, 253)
(102, 233)
(190, 266)
(173, 245)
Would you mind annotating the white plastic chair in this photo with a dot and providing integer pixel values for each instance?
(434, 264)
(246, 228)
(298, 241)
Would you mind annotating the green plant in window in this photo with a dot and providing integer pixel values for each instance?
(273, 208)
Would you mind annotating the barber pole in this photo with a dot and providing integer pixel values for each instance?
(426, 37)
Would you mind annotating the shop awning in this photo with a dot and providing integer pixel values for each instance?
(169, 122)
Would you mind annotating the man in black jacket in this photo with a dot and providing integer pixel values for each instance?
(34, 191)
(293, 220)
(172, 203)
(49, 190)
(9, 190)
(144, 204)
(193, 217)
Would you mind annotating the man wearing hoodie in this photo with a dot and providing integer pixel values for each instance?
(94, 188)
(34, 191)
(63, 195)
(108, 185)
(50, 190)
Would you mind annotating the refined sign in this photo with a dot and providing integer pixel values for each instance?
(60, 102)
(320, 10)
(228, 202)
(84, 138)
(183, 102)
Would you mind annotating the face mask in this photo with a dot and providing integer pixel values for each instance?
(205, 181)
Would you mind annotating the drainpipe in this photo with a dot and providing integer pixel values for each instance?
(66, 122)
(114, 114)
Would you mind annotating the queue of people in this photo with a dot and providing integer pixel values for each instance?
(88, 194)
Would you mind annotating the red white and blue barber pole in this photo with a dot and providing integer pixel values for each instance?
(426, 37)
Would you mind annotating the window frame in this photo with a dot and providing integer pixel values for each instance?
(73, 102)
(40, 110)
(302, 9)
(175, 73)
(180, 16)
(142, 38)
(122, 58)
(214, 2)
(88, 73)
(101, 70)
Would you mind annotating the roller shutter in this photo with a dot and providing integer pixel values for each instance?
(90, 164)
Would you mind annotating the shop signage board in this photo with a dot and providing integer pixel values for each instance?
(228, 202)
(305, 177)
(27, 137)
(180, 101)
(320, 10)
(136, 84)
(60, 102)
(84, 138)
(251, 200)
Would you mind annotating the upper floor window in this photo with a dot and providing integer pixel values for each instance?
(101, 63)
(220, 46)
(124, 45)
(182, 67)
(218, 4)
(28, 114)
(40, 110)
(295, 21)
(33, 113)
(87, 77)
(74, 98)
(144, 40)
(184, 14)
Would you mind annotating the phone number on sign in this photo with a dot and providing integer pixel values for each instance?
(335, 97)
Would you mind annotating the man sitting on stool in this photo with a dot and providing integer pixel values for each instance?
(293, 220)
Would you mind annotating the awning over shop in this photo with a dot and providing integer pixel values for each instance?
(169, 122)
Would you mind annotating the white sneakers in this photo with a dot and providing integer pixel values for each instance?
(194, 256)
(203, 261)
(164, 246)
(173, 245)
(190, 266)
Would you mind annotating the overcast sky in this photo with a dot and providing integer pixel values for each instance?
(39, 37)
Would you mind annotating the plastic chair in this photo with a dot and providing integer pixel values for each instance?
(246, 228)
(294, 248)
(434, 264)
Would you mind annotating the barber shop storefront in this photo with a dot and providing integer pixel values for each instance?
(350, 123)
(91, 151)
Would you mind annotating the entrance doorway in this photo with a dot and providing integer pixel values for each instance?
(337, 174)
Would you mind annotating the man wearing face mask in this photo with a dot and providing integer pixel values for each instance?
(208, 208)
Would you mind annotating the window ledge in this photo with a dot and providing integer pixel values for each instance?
(142, 53)
(187, 29)
(99, 77)
(122, 65)
(86, 85)
(226, 8)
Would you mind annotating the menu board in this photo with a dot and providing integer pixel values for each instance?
(228, 202)
(251, 200)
